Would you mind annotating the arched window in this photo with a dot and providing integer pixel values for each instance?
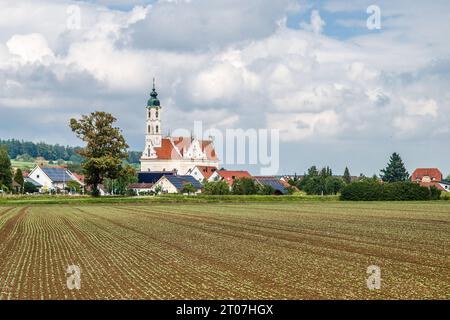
(149, 114)
(156, 114)
(157, 129)
(149, 129)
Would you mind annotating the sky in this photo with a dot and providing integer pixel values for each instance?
(339, 93)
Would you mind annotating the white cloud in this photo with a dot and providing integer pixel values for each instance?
(316, 25)
(229, 65)
(30, 48)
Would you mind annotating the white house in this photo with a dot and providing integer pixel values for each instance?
(140, 188)
(229, 176)
(52, 178)
(175, 184)
(175, 154)
(201, 173)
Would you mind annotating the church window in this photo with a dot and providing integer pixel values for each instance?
(149, 114)
(149, 129)
(157, 129)
(156, 114)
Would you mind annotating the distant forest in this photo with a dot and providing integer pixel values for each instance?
(51, 152)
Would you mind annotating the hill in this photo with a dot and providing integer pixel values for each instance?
(28, 151)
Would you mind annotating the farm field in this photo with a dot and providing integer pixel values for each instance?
(273, 250)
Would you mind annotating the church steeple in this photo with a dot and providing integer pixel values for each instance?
(153, 101)
(154, 130)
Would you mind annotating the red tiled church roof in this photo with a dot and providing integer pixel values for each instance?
(175, 150)
(167, 150)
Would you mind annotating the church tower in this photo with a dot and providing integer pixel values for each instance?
(153, 136)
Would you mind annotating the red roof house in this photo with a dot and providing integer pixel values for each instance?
(426, 175)
(229, 176)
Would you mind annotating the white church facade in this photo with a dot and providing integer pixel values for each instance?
(175, 154)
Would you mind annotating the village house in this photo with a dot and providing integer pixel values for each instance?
(201, 173)
(228, 176)
(141, 188)
(52, 178)
(428, 177)
(175, 184)
(277, 185)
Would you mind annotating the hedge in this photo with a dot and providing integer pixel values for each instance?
(397, 191)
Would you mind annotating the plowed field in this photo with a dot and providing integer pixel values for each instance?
(307, 250)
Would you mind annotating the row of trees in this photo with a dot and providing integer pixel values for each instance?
(7, 176)
(49, 152)
(242, 186)
(29, 151)
(322, 182)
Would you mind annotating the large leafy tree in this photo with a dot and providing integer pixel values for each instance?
(5, 169)
(395, 170)
(105, 147)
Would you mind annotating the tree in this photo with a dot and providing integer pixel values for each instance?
(244, 186)
(28, 187)
(266, 190)
(158, 189)
(105, 147)
(188, 188)
(119, 185)
(347, 177)
(73, 186)
(333, 185)
(5, 170)
(216, 188)
(18, 177)
(395, 170)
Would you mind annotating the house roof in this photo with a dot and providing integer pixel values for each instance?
(433, 183)
(173, 148)
(179, 181)
(274, 182)
(229, 176)
(57, 174)
(152, 176)
(419, 173)
(80, 177)
(206, 171)
(35, 183)
(140, 185)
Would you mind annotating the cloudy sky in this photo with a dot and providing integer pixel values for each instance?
(340, 94)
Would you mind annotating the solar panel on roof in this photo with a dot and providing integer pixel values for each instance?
(180, 181)
(274, 183)
(57, 174)
(152, 177)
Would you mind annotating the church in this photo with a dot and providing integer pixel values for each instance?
(177, 155)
